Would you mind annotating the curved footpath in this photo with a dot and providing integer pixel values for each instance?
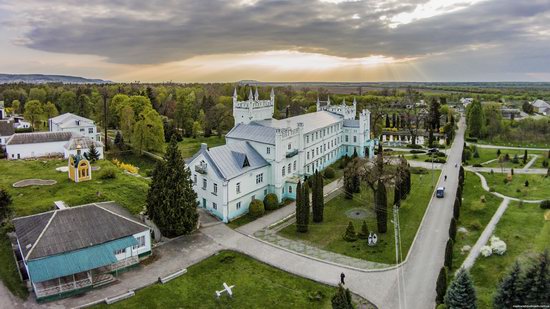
(507, 147)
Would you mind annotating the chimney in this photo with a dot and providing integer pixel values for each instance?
(204, 146)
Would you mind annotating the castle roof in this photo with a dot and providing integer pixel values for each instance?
(311, 121)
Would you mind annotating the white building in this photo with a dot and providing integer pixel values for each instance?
(2, 111)
(48, 144)
(541, 107)
(6, 131)
(73, 123)
(264, 155)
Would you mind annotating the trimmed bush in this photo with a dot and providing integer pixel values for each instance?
(256, 208)
(436, 160)
(545, 204)
(108, 173)
(419, 170)
(364, 233)
(416, 146)
(417, 151)
(350, 233)
(477, 165)
(329, 173)
(271, 202)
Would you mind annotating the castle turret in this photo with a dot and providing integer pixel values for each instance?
(253, 109)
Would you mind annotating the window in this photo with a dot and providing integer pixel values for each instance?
(283, 171)
(215, 206)
(195, 178)
(307, 138)
(265, 191)
(238, 206)
(238, 188)
(215, 188)
(268, 150)
(253, 197)
(82, 130)
(289, 169)
(346, 138)
(260, 178)
(141, 242)
(204, 184)
(294, 165)
(289, 146)
(355, 139)
(91, 130)
(317, 150)
(308, 155)
(307, 168)
(289, 189)
(120, 251)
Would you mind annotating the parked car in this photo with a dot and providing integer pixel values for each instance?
(440, 193)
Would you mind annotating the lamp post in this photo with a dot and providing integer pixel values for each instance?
(431, 151)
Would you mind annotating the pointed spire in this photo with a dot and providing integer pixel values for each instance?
(344, 101)
(354, 101)
(250, 97)
(256, 95)
(328, 100)
(235, 92)
(272, 92)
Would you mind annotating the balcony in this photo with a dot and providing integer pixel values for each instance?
(201, 168)
(292, 153)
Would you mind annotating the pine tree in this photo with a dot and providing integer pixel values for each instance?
(508, 293)
(397, 193)
(456, 209)
(536, 282)
(525, 157)
(364, 234)
(119, 140)
(314, 198)
(350, 234)
(93, 153)
(300, 209)
(305, 206)
(356, 183)
(461, 294)
(381, 207)
(449, 254)
(441, 286)
(342, 299)
(171, 200)
(348, 183)
(5, 202)
(318, 211)
(452, 229)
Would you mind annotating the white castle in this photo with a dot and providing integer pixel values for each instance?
(264, 155)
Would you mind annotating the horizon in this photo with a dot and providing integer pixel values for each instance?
(279, 41)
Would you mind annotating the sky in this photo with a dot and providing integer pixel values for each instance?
(278, 40)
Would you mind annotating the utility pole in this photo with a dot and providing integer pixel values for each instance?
(105, 111)
(397, 240)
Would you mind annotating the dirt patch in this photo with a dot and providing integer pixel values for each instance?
(34, 182)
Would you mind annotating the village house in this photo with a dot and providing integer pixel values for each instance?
(6, 131)
(73, 123)
(541, 107)
(265, 155)
(69, 251)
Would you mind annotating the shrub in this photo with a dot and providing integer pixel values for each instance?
(475, 225)
(486, 251)
(477, 165)
(527, 183)
(416, 146)
(545, 204)
(497, 245)
(256, 208)
(545, 163)
(329, 173)
(108, 173)
(417, 151)
(515, 160)
(271, 202)
(471, 139)
(125, 166)
(350, 235)
(440, 154)
(364, 233)
(436, 160)
(419, 170)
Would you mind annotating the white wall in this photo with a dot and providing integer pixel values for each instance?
(67, 153)
(26, 151)
(130, 251)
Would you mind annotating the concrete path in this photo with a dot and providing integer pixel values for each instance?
(507, 147)
(531, 162)
(506, 170)
(485, 187)
(485, 235)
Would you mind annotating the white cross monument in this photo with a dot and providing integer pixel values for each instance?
(227, 289)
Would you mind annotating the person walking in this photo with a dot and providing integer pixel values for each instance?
(342, 277)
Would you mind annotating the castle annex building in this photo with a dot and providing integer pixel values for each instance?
(264, 155)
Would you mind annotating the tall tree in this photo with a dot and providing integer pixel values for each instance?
(127, 121)
(50, 110)
(536, 283)
(381, 208)
(33, 112)
(508, 292)
(5, 202)
(305, 205)
(441, 286)
(476, 120)
(171, 200)
(461, 294)
(342, 299)
(434, 117)
(449, 254)
(300, 224)
(148, 132)
(319, 205)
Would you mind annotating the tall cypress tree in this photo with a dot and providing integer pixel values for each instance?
(318, 210)
(456, 209)
(461, 294)
(381, 207)
(171, 200)
(299, 208)
(305, 206)
(536, 283)
(348, 182)
(441, 285)
(452, 229)
(508, 292)
(449, 254)
(397, 193)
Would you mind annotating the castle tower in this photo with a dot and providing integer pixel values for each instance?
(253, 109)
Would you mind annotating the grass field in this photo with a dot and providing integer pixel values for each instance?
(328, 234)
(539, 185)
(257, 285)
(144, 163)
(487, 154)
(8, 272)
(474, 215)
(128, 191)
(525, 144)
(526, 233)
(189, 146)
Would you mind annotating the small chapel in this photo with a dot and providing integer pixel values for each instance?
(80, 168)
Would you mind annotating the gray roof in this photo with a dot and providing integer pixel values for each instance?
(540, 103)
(311, 121)
(228, 159)
(6, 128)
(351, 123)
(83, 141)
(68, 120)
(70, 229)
(39, 137)
(252, 132)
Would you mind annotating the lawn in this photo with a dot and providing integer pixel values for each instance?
(525, 144)
(8, 272)
(338, 172)
(539, 185)
(328, 234)
(143, 162)
(525, 232)
(128, 191)
(474, 215)
(539, 162)
(257, 285)
(189, 146)
(487, 154)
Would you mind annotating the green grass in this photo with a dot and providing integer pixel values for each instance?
(128, 191)
(540, 159)
(144, 163)
(525, 144)
(8, 272)
(338, 172)
(257, 285)
(525, 232)
(328, 234)
(474, 215)
(539, 185)
(189, 146)
(486, 154)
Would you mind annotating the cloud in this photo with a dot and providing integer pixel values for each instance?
(443, 35)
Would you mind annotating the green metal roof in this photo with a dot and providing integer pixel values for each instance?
(77, 261)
